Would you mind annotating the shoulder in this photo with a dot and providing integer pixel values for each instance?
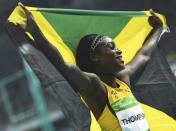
(90, 76)
(93, 80)
(96, 82)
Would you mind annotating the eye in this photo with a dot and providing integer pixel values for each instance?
(110, 45)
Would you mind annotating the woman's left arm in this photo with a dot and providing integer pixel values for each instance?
(150, 44)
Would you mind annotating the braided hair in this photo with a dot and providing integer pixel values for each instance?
(86, 46)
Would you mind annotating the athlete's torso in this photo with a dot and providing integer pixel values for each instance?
(128, 113)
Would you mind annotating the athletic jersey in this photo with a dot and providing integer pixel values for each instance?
(129, 116)
(108, 122)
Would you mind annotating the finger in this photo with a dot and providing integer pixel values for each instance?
(24, 8)
(152, 12)
(20, 4)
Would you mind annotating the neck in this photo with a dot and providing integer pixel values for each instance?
(106, 76)
(109, 79)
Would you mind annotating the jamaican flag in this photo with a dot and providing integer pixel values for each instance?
(64, 28)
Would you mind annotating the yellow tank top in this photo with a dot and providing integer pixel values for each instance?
(94, 123)
(157, 120)
(107, 121)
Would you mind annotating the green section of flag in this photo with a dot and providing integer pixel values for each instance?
(124, 103)
(71, 26)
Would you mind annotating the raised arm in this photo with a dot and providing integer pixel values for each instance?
(144, 54)
(84, 83)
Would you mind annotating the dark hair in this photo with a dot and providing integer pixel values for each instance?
(83, 52)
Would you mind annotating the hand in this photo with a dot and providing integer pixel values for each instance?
(154, 20)
(31, 24)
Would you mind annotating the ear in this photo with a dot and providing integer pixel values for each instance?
(94, 57)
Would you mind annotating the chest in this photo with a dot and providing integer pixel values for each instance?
(116, 94)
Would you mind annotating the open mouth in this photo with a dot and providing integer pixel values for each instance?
(120, 58)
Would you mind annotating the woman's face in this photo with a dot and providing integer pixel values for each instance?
(109, 56)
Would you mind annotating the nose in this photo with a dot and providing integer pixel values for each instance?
(118, 51)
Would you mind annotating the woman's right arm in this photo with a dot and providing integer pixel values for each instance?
(84, 83)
